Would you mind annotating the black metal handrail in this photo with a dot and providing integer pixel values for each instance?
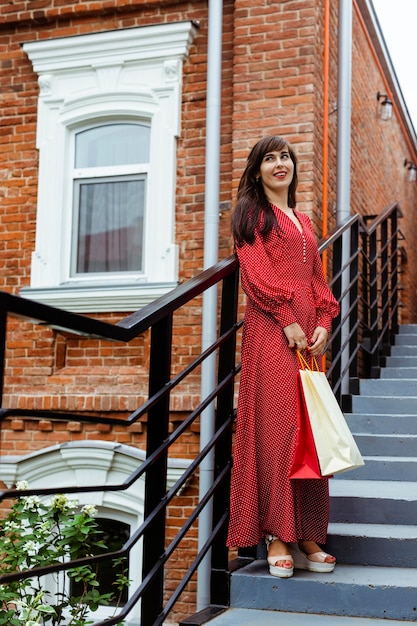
(364, 266)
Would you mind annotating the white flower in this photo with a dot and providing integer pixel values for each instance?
(31, 503)
(10, 526)
(60, 502)
(44, 527)
(22, 485)
(89, 509)
(32, 547)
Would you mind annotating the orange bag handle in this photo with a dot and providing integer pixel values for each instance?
(313, 367)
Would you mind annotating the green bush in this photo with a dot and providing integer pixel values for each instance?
(36, 534)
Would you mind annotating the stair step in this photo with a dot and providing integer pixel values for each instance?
(360, 544)
(384, 404)
(382, 423)
(387, 444)
(407, 329)
(402, 361)
(403, 350)
(373, 501)
(258, 617)
(408, 371)
(351, 590)
(406, 339)
(388, 387)
(384, 467)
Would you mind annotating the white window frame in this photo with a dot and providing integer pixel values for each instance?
(116, 76)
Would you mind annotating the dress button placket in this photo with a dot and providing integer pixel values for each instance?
(304, 248)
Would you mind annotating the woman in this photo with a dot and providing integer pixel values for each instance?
(289, 307)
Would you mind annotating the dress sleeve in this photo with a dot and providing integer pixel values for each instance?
(262, 283)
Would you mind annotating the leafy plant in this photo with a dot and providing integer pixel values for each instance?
(37, 534)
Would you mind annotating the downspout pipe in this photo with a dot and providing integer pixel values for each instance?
(211, 247)
(344, 108)
(326, 80)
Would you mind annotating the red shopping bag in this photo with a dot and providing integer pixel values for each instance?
(305, 463)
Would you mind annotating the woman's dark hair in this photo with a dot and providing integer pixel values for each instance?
(252, 202)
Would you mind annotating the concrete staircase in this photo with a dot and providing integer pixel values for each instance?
(373, 529)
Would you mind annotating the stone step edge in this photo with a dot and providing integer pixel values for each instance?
(372, 489)
(386, 397)
(259, 617)
(343, 575)
(396, 434)
(384, 416)
(390, 459)
(363, 530)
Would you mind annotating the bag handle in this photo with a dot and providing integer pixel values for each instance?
(313, 367)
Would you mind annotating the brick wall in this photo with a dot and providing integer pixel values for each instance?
(272, 83)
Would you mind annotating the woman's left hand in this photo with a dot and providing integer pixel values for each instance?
(318, 341)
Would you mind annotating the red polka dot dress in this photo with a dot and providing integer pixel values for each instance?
(283, 278)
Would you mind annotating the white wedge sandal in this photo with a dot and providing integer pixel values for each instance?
(315, 562)
(274, 569)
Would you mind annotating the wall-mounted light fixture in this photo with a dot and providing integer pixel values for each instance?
(386, 105)
(412, 170)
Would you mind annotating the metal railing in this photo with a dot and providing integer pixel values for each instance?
(364, 261)
(366, 256)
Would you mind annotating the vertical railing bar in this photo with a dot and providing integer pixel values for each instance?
(373, 301)
(384, 284)
(365, 283)
(394, 275)
(220, 577)
(336, 324)
(156, 475)
(353, 300)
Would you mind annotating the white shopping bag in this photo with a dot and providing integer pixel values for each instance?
(336, 448)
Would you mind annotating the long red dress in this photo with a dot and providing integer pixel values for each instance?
(283, 278)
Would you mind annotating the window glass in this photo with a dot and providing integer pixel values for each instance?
(113, 144)
(114, 535)
(109, 210)
(108, 222)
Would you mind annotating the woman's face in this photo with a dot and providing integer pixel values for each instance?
(276, 171)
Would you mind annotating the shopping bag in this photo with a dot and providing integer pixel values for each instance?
(336, 448)
(305, 463)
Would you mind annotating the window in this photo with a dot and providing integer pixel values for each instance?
(108, 119)
(111, 167)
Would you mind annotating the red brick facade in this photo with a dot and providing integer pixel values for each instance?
(273, 76)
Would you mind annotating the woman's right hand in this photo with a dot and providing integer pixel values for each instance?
(296, 336)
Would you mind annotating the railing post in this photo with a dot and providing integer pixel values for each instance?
(394, 274)
(384, 282)
(336, 324)
(156, 476)
(373, 302)
(220, 577)
(353, 302)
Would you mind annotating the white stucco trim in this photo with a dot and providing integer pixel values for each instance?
(87, 80)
